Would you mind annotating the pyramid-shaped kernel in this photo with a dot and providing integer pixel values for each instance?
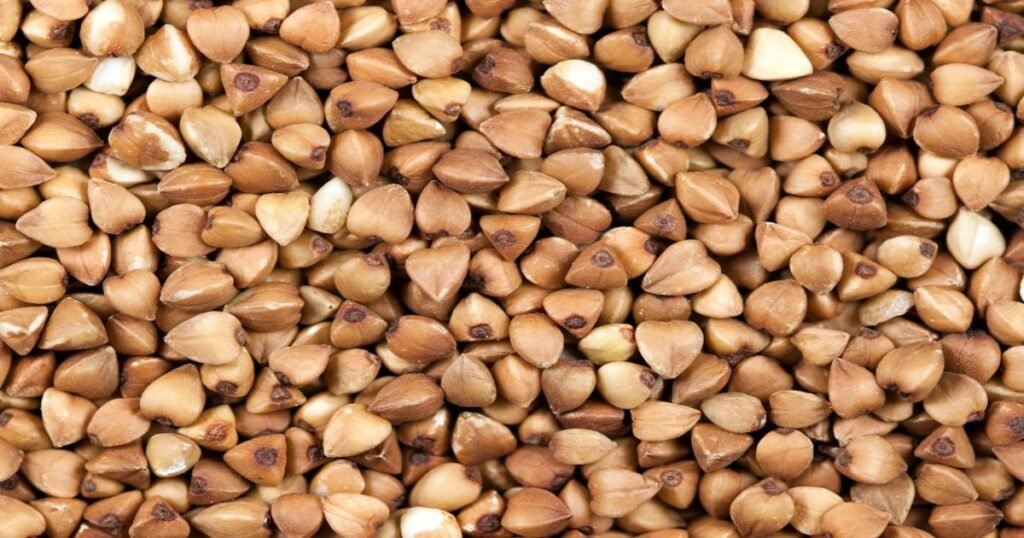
(773, 55)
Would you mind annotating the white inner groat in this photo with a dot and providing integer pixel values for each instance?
(179, 50)
(175, 150)
(123, 174)
(102, 17)
(426, 522)
(583, 75)
(471, 420)
(112, 76)
(179, 465)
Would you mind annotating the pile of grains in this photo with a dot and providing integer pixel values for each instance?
(496, 268)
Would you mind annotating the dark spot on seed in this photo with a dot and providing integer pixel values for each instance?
(440, 24)
(90, 119)
(283, 378)
(456, 65)
(226, 387)
(488, 523)
(452, 109)
(422, 442)
(671, 478)
(373, 260)
(536, 440)
(345, 107)
(724, 98)
(865, 270)
(860, 195)
(268, 522)
(503, 238)
(265, 457)
(246, 82)
(397, 502)
(318, 154)
(198, 485)
(869, 334)
(486, 65)
(272, 26)
(927, 250)
(943, 447)
(240, 336)
(481, 331)
(1017, 426)
(558, 481)
(319, 245)
(397, 177)
(772, 488)
(929, 112)
(10, 483)
(602, 259)
(664, 222)
(164, 420)
(911, 198)
(648, 378)
(473, 474)
(474, 281)
(217, 432)
(353, 314)
(88, 486)
(844, 459)
(736, 356)
(1006, 24)
(828, 180)
(279, 393)
(639, 37)
(574, 322)
(653, 246)
(739, 143)
(834, 50)
(94, 439)
(109, 521)
(314, 453)
(418, 458)
(709, 74)
(894, 388)
(161, 512)
(5, 417)
(305, 426)
(59, 31)
(101, 159)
